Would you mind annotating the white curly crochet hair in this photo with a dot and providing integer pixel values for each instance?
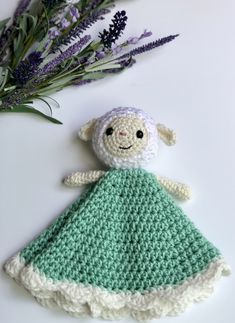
(125, 137)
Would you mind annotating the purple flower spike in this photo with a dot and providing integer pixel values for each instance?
(133, 40)
(69, 52)
(110, 36)
(22, 7)
(53, 33)
(64, 23)
(74, 13)
(148, 47)
(27, 68)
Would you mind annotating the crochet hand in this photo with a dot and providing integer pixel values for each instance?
(81, 178)
(178, 190)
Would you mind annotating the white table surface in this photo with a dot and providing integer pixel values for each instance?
(188, 85)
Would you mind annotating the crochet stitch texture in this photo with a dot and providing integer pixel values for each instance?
(125, 236)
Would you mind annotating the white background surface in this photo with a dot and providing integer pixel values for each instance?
(189, 86)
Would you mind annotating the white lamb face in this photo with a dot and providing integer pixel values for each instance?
(125, 136)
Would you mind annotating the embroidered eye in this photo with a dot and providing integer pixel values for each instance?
(139, 134)
(109, 131)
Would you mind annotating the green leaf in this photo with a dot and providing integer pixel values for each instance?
(47, 104)
(23, 25)
(3, 23)
(28, 109)
(95, 45)
(46, 92)
(54, 101)
(94, 76)
(59, 83)
(32, 21)
(102, 67)
(1, 74)
(27, 23)
(3, 77)
(17, 42)
(66, 65)
(26, 28)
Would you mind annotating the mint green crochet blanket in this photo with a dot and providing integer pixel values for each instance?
(124, 234)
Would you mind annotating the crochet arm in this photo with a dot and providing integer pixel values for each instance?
(81, 178)
(176, 189)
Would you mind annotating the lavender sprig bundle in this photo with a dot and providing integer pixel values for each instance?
(46, 46)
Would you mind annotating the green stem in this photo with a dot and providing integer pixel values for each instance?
(58, 77)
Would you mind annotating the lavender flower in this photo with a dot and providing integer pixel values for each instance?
(116, 50)
(41, 73)
(22, 6)
(73, 11)
(17, 97)
(145, 34)
(100, 54)
(69, 52)
(27, 68)
(77, 31)
(64, 23)
(133, 40)
(109, 37)
(53, 33)
(148, 47)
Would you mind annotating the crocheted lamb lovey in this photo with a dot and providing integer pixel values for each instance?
(124, 248)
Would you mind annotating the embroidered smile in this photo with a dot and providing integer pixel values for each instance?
(125, 147)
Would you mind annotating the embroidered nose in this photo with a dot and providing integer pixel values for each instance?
(122, 133)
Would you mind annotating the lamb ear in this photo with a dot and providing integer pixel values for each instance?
(167, 135)
(86, 131)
